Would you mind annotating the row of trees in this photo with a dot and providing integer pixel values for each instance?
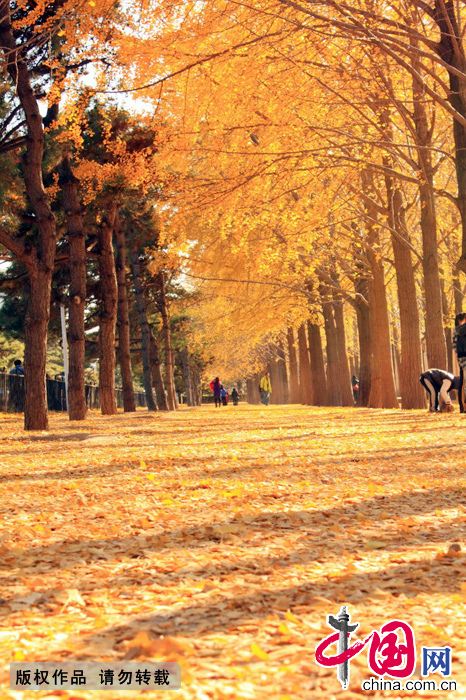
(322, 172)
(300, 164)
(108, 269)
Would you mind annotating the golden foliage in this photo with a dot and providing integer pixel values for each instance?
(221, 538)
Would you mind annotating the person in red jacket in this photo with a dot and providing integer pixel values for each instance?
(217, 387)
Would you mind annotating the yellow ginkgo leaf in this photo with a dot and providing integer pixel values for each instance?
(283, 629)
(260, 653)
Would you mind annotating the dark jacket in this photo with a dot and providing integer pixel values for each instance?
(459, 333)
(18, 369)
(437, 376)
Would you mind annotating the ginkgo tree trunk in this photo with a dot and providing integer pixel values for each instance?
(293, 366)
(382, 384)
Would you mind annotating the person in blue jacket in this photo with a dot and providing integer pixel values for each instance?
(18, 368)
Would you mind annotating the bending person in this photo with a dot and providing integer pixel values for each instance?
(438, 383)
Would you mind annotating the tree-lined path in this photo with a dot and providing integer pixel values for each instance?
(223, 538)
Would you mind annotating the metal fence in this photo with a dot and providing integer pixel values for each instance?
(12, 395)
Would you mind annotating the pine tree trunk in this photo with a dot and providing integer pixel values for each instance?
(39, 260)
(35, 355)
(316, 354)
(124, 348)
(305, 379)
(156, 371)
(293, 366)
(145, 329)
(412, 393)
(77, 250)
(107, 315)
(169, 355)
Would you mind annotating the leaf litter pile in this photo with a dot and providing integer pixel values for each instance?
(222, 538)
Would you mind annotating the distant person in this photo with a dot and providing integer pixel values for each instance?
(355, 387)
(16, 388)
(224, 396)
(459, 344)
(265, 388)
(438, 383)
(18, 368)
(216, 387)
(234, 397)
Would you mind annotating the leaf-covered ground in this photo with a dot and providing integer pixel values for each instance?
(222, 538)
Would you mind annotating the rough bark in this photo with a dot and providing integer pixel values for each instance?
(251, 391)
(196, 386)
(305, 379)
(333, 364)
(365, 352)
(39, 260)
(457, 291)
(283, 375)
(187, 377)
(382, 392)
(316, 354)
(156, 372)
(272, 369)
(145, 328)
(124, 348)
(169, 354)
(278, 375)
(77, 299)
(293, 367)
(412, 393)
(253, 386)
(107, 314)
(37, 319)
(344, 371)
(447, 330)
(362, 306)
(450, 49)
(435, 338)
